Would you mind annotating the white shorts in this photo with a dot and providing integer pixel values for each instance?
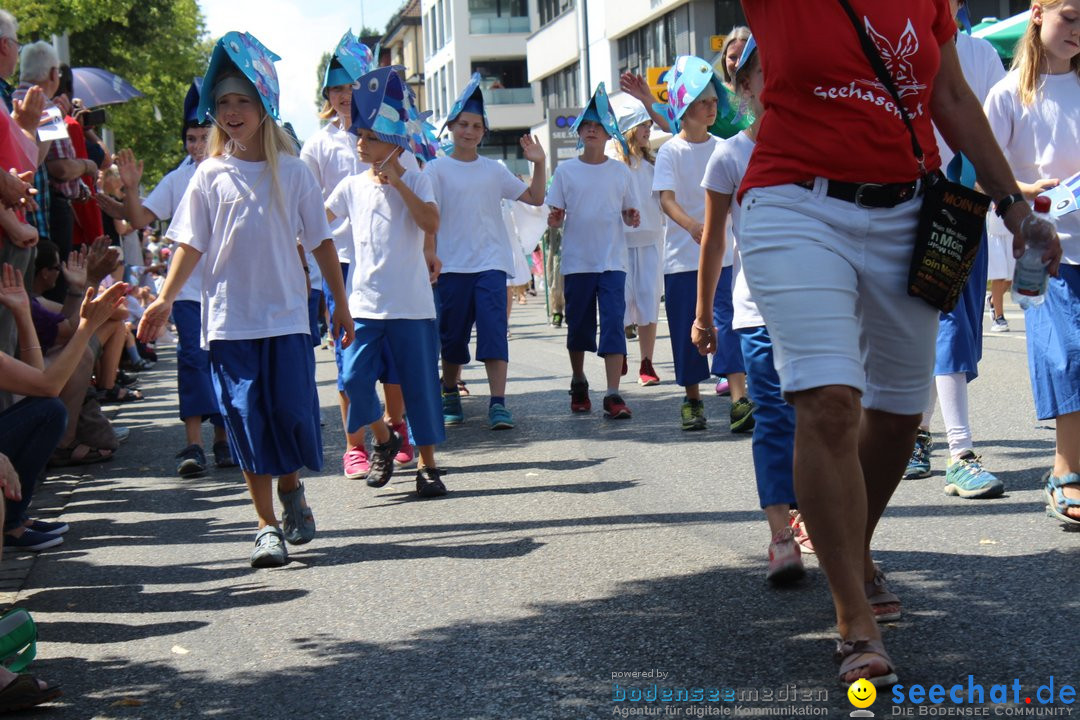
(830, 279)
(1000, 261)
(643, 278)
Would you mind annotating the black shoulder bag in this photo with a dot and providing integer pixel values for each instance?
(952, 218)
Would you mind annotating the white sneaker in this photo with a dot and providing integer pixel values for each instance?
(1000, 325)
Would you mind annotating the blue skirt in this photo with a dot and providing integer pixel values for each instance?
(266, 391)
(1053, 342)
(959, 339)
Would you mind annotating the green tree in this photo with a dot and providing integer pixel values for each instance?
(156, 46)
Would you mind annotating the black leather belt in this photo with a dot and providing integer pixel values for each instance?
(869, 195)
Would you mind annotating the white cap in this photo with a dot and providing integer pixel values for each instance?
(630, 115)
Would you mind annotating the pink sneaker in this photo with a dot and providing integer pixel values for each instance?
(785, 560)
(356, 463)
(407, 454)
(722, 387)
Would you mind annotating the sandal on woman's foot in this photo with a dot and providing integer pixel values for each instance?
(462, 389)
(1057, 503)
(854, 655)
(78, 454)
(798, 529)
(886, 605)
(297, 520)
(26, 691)
(121, 394)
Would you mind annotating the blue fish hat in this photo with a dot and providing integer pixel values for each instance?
(191, 103)
(747, 52)
(385, 105)
(242, 52)
(686, 80)
(471, 100)
(599, 110)
(350, 60)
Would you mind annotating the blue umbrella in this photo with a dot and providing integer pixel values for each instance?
(97, 87)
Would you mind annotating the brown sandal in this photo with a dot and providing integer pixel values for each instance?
(857, 654)
(69, 456)
(24, 692)
(880, 598)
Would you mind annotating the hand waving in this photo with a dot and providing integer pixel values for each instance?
(13, 291)
(533, 150)
(131, 169)
(75, 268)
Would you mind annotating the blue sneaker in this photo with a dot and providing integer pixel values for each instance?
(451, 408)
(919, 464)
(967, 478)
(500, 418)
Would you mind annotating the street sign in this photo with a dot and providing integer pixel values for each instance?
(658, 89)
(563, 140)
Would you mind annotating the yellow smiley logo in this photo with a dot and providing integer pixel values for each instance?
(862, 693)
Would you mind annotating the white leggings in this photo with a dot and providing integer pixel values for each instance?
(952, 392)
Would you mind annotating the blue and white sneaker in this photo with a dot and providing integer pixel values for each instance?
(500, 418)
(919, 464)
(967, 478)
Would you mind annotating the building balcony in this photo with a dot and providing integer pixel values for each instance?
(490, 25)
(509, 96)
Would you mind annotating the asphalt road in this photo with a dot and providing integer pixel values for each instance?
(571, 553)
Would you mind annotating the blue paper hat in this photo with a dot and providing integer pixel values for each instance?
(747, 52)
(686, 80)
(599, 110)
(243, 52)
(385, 105)
(350, 60)
(965, 18)
(471, 100)
(191, 103)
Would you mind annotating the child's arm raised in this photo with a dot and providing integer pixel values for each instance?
(534, 153)
(424, 214)
(710, 265)
(341, 321)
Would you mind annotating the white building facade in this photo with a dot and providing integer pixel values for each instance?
(486, 36)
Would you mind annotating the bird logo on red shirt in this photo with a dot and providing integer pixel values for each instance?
(897, 59)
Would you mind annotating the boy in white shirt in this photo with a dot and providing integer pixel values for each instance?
(594, 196)
(390, 209)
(476, 253)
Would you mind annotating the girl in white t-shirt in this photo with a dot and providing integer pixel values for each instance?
(392, 214)
(774, 427)
(645, 243)
(1035, 115)
(331, 156)
(477, 251)
(254, 210)
(594, 196)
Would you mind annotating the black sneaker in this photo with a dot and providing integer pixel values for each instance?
(382, 461)
(192, 461)
(428, 482)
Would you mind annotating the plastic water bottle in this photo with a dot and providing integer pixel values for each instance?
(1029, 279)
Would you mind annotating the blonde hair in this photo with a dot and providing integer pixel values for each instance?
(328, 112)
(1030, 60)
(739, 32)
(637, 153)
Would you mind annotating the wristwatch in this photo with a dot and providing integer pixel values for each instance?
(1002, 206)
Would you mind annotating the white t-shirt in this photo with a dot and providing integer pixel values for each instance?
(163, 202)
(982, 69)
(389, 277)
(1041, 140)
(253, 281)
(331, 156)
(724, 174)
(680, 165)
(472, 237)
(651, 230)
(594, 196)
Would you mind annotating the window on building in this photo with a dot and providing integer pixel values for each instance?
(444, 106)
(656, 44)
(505, 82)
(729, 14)
(560, 89)
(552, 9)
(448, 20)
(505, 145)
(498, 16)
(440, 39)
(429, 46)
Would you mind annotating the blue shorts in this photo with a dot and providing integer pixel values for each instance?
(314, 300)
(266, 390)
(387, 373)
(193, 382)
(586, 293)
(680, 304)
(959, 339)
(1053, 341)
(413, 348)
(468, 298)
(728, 357)
(773, 446)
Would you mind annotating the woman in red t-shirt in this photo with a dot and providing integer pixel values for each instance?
(830, 205)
